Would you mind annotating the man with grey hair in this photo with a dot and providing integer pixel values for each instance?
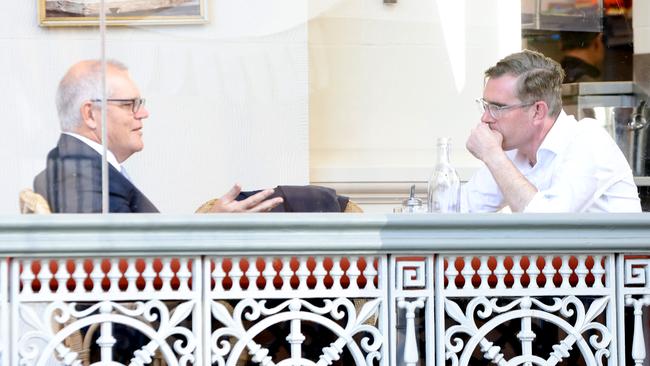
(72, 180)
(537, 158)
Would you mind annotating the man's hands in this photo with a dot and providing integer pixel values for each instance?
(255, 203)
(484, 142)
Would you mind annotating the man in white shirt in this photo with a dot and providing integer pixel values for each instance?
(71, 181)
(537, 158)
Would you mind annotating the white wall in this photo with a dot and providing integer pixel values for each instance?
(228, 100)
(387, 80)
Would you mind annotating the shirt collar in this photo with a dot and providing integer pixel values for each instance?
(554, 141)
(97, 147)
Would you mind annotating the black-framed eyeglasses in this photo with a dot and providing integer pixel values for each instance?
(135, 103)
(495, 110)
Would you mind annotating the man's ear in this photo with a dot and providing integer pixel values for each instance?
(88, 117)
(540, 109)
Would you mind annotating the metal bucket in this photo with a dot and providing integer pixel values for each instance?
(631, 137)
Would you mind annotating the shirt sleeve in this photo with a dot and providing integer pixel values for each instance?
(480, 193)
(581, 175)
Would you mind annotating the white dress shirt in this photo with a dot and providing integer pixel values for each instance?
(579, 169)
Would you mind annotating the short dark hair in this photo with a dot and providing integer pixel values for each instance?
(576, 40)
(538, 78)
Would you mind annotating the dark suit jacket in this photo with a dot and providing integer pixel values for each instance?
(72, 182)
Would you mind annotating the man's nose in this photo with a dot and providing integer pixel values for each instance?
(486, 117)
(142, 113)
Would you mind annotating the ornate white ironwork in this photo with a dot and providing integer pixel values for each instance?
(412, 289)
(522, 308)
(411, 274)
(151, 295)
(637, 272)
(547, 288)
(234, 298)
(233, 337)
(638, 340)
(411, 354)
(245, 283)
(59, 320)
(634, 291)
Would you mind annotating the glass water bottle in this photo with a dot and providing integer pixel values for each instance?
(444, 184)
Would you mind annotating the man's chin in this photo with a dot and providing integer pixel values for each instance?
(138, 147)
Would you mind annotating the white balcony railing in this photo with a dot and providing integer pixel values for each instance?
(322, 289)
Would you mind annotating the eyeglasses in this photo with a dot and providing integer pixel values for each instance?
(135, 103)
(496, 111)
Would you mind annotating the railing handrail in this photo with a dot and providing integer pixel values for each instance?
(264, 233)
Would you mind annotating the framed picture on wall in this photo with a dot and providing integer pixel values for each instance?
(121, 12)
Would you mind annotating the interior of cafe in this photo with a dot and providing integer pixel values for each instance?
(350, 95)
(211, 103)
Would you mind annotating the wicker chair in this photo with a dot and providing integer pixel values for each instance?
(32, 203)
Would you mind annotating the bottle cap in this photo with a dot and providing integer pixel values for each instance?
(412, 201)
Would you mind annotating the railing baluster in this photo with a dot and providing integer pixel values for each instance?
(114, 274)
(149, 274)
(516, 271)
(353, 273)
(320, 272)
(598, 271)
(582, 271)
(533, 272)
(302, 273)
(370, 273)
(467, 272)
(45, 275)
(484, 272)
(286, 273)
(336, 272)
(236, 274)
(565, 271)
(61, 276)
(451, 273)
(269, 273)
(548, 271)
(27, 277)
(166, 274)
(500, 272)
(183, 275)
(79, 276)
(218, 274)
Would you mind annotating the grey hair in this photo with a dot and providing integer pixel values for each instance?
(539, 78)
(77, 87)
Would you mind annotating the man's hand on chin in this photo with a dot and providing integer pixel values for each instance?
(483, 141)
